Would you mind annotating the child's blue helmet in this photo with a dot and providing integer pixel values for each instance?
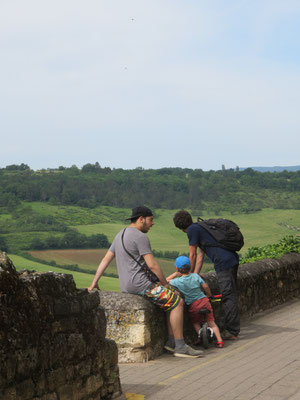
(182, 261)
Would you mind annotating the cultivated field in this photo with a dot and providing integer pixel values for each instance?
(90, 258)
(260, 228)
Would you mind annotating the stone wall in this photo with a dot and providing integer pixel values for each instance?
(139, 327)
(53, 342)
(136, 325)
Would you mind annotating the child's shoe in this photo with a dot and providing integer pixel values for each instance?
(219, 345)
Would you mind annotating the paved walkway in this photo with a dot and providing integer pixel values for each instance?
(264, 364)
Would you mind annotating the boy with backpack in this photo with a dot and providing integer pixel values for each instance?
(226, 264)
(196, 293)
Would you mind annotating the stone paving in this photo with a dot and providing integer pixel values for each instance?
(264, 364)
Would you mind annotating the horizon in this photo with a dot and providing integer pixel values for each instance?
(293, 167)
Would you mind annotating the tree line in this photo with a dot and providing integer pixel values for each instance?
(172, 188)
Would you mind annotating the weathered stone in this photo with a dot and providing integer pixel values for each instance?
(94, 383)
(56, 378)
(25, 389)
(65, 392)
(49, 396)
(135, 324)
(52, 338)
(76, 347)
(27, 361)
(83, 368)
(40, 384)
(10, 393)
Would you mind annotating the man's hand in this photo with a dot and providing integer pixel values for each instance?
(155, 268)
(94, 287)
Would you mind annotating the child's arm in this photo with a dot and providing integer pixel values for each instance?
(206, 289)
(173, 276)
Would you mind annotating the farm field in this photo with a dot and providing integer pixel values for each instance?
(90, 258)
(82, 280)
(260, 228)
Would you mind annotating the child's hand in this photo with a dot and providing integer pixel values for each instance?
(177, 274)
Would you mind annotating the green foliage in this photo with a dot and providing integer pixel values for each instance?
(71, 240)
(24, 219)
(171, 188)
(288, 244)
(3, 244)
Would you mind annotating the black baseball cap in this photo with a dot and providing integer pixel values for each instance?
(140, 211)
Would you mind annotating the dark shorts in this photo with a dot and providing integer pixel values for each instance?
(165, 297)
(196, 306)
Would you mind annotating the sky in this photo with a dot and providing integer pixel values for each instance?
(151, 84)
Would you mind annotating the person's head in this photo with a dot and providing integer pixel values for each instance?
(183, 265)
(141, 218)
(182, 220)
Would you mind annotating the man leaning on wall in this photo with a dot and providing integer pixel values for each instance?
(226, 265)
(140, 274)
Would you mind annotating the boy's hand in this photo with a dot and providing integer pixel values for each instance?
(173, 276)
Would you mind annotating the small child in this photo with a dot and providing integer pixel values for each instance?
(191, 285)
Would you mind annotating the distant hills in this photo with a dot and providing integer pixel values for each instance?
(274, 169)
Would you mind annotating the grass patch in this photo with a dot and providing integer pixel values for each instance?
(82, 280)
(260, 228)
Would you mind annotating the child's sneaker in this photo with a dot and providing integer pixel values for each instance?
(219, 345)
(187, 351)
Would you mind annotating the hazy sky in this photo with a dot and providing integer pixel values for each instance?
(157, 83)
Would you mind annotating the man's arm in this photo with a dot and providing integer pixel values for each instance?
(155, 268)
(193, 256)
(199, 261)
(106, 260)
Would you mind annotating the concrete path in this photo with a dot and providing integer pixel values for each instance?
(264, 364)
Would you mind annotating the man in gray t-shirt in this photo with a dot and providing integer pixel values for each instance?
(140, 274)
(132, 277)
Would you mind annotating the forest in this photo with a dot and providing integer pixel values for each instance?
(231, 190)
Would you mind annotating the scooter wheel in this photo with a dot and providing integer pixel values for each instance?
(205, 335)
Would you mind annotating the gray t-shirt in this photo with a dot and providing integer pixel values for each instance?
(131, 276)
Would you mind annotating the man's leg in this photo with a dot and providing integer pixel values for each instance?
(230, 318)
(176, 320)
(174, 324)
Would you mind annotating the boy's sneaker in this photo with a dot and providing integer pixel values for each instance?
(170, 345)
(187, 351)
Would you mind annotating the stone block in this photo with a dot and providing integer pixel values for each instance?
(93, 383)
(25, 389)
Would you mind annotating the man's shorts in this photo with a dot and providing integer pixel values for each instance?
(165, 297)
(196, 306)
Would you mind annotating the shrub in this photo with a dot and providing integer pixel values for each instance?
(289, 244)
